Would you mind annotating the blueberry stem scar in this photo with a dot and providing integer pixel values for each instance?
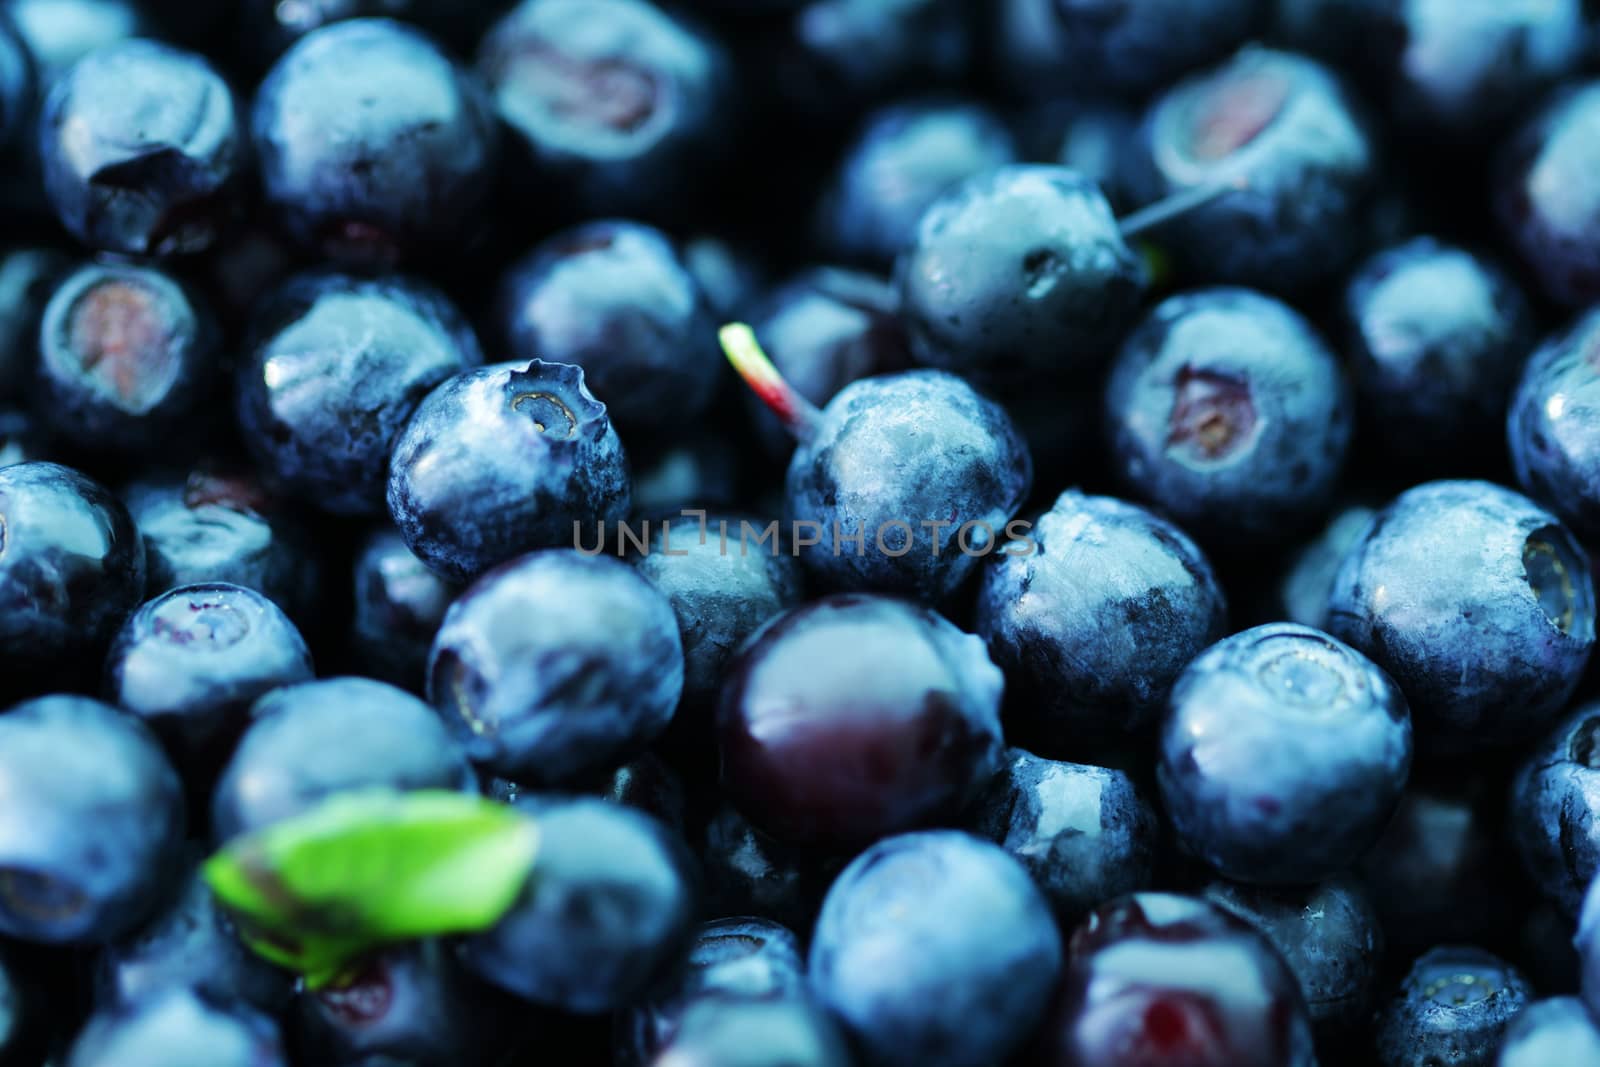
(798, 415)
(1163, 211)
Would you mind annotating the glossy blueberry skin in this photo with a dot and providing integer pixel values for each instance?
(904, 157)
(413, 1003)
(1479, 604)
(1434, 335)
(1285, 127)
(504, 459)
(1547, 199)
(1443, 872)
(399, 604)
(374, 145)
(126, 360)
(737, 960)
(192, 661)
(1019, 273)
(1156, 979)
(95, 821)
(71, 568)
(1302, 591)
(617, 106)
(955, 458)
(1553, 426)
(190, 943)
(310, 741)
(545, 696)
(178, 1027)
(1085, 834)
(935, 949)
(898, 733)
(616, 299)
(779, 1033)
(609, 911)
(1554, 811)
(1093, 625)
(1047, 46)
(335, 366)
(823, 329)
(58, 33)
(1228, 412)
(1452, 1007)
(749, 873)
(28, 278)
(143, 149)
(1283, 754)
(221, 526)
(1330, 937)
(1557, 1030)
(720, 594)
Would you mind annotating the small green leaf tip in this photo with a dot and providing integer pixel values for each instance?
(369, 868)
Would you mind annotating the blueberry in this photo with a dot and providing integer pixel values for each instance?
(1453, 1007)
(607, 912)
(1086, 834)
(219, 525)
(71, 568)
(1554, 809)
(1159, 979)
(1283, 754)
(95, 821)
(1228, 412)
(28, 278)
(1553, 423)
(310, 741)
(1439, 874)
(1478, 602)
(191, 944)
(1302, 589)
(959, 473)
(899, 731)
(1546, 197)
(544, 694)
(1284, 129)
(1587, 942)
(1047, 46)
(823, 329)
(375, 146)
(1557, 1030)
(749, 873)
(649, 784)
(616, 299)
(58, 33)
(781, 1033)
(935, 949)
(1434, 335)
(617, 105)
(1095, 140)
(1330, 937)
(271, 26)
(504, 459)
(180, 1028)
(413, 1004)
(731, 961)
(901, 161)
(126, 360)
(1019, 273)
(335, 367)
(720, 593)
(1093, 624)
(142, 149)
(192, 661)
(399, 604)
(729, 274)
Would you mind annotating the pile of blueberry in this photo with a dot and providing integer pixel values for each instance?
(799, 533)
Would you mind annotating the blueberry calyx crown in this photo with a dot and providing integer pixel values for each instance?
(1549, 564)
(116, 337)
(554, 400)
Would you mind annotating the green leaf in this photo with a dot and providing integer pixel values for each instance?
(368, 868)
